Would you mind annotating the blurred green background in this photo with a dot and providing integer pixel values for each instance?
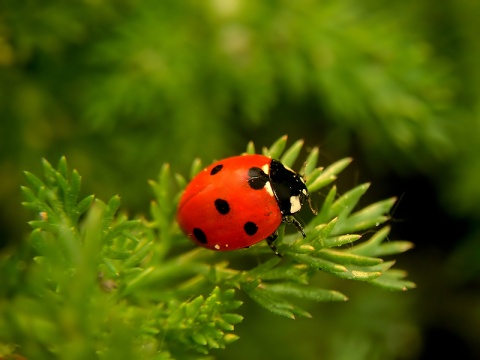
(121, 87)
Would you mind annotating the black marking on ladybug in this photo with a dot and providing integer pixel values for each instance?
(216, 169)
(200, 235)
(250, 228)
(257, 178)
(222, 206)
(289, 188)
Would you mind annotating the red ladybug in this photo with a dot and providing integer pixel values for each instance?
(239, 201)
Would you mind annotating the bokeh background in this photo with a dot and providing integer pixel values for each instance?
(121, 87)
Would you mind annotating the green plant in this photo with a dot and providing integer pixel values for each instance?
(92, 283)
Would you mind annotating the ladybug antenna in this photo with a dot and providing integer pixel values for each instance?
(309, 200)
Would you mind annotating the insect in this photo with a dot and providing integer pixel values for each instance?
(239, 201)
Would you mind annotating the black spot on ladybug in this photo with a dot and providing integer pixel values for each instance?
(222, 206)
(216, 169)
(200, 235)
(250, 228)
(257, 178)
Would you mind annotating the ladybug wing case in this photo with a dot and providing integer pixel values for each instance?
(220, 209)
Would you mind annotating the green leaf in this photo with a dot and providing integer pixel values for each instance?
(181, 181)
(289, 157)
(284, 272)
(43, 225)
(28, 194)
(33, 180)
(317, 263)
(112, 207)
(336, 241)
(323, 215)
(195, 168)
(367, 218)
(138, 281)
(75, 185)
(359, 275)
(110, 211)
(62, 167)
(347, 202)
(319, 237)
(164, 183)
(272, 303)
(324, 230)
(329, 174)
(375, 246)
(250, 148)
(305, 292)
(277, 148)
(232, 318)
(311, 162)
(140, 253)
(84, 204)
(49, 173)
(199, 338)
(393, 279)
(121, 229)
(345, 258)
(394, 247)
(265, 267)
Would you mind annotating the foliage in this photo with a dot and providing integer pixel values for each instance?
(117, 83)
(119, 87)
(92, 283)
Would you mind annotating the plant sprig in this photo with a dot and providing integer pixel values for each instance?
(140, 288)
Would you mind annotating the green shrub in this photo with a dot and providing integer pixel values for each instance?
(92, 283)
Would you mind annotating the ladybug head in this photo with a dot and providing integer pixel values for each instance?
(289, 188)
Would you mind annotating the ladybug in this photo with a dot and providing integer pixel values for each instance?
(239, 201)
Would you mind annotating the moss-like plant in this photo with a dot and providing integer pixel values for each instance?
(92, 283)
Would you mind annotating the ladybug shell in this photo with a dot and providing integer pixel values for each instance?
(221, 210)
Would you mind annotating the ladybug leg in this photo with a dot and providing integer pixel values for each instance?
(296, 223)
(270, 241)
(311, 207)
